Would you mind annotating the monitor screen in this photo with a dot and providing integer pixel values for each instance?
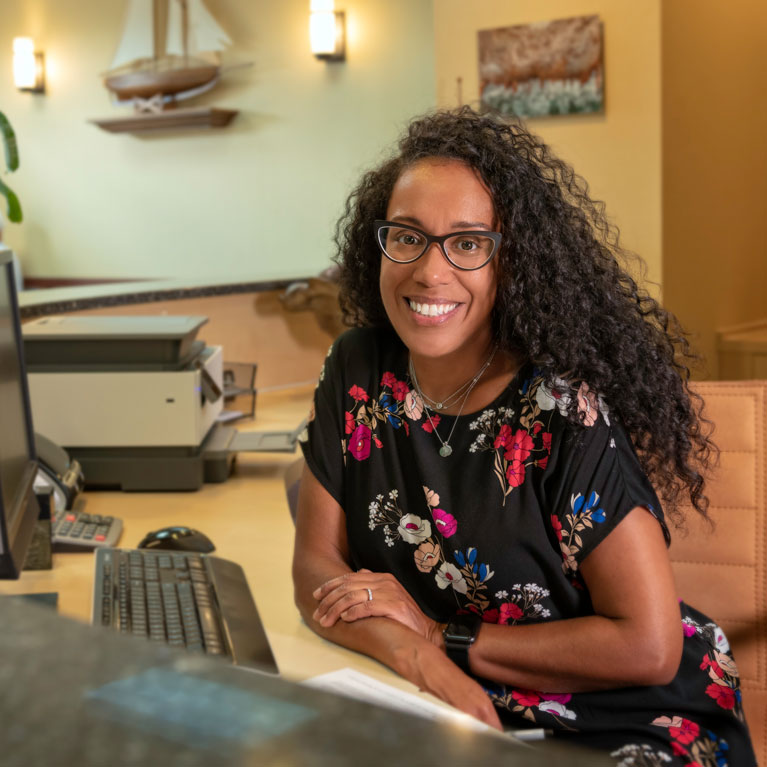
(18, 464)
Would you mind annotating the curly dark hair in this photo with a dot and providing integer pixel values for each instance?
(566, 300)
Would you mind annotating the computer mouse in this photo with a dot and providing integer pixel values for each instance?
(178, 539)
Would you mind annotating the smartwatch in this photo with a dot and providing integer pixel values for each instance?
(459, 635)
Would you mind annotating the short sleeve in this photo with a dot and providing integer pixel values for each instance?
(598, 480)
(322, 443)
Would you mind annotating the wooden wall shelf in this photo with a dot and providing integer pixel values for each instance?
(169, 120)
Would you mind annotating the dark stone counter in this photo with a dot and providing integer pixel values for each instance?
(38, 303)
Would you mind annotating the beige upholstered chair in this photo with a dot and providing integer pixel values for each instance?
(724, 573)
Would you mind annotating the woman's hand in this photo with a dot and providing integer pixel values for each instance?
(432, 671)
(348, 598)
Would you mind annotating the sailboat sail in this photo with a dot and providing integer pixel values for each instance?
(204, 35)
(181, 70)
(137, 41)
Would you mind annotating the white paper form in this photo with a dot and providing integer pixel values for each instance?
(354, 684)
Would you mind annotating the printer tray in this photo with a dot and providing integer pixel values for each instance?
(155, 468)
(178, 468)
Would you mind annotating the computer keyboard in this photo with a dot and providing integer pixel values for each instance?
(78, 531)
(187, 600)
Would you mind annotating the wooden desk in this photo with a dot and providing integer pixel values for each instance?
(247, 518)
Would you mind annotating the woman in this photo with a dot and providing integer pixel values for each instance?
(477, 510)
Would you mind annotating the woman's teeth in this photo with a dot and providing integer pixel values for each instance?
(431, 310)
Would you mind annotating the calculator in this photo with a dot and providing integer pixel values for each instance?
(78, 531)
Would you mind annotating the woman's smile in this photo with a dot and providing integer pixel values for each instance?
(438, 310)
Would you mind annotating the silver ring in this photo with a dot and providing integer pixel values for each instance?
(370, 595)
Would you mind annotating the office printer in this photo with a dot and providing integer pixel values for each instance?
(135, 400)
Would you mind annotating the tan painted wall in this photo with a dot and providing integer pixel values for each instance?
(619, 152)
(257, 199)
(715, 164)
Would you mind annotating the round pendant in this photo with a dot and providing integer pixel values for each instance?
(438, 405)
(445, 451)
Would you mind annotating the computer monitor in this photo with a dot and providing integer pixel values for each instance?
(19, 509)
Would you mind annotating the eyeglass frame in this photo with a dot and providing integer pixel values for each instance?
(440, 240)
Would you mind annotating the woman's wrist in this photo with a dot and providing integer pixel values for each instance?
(436, 635)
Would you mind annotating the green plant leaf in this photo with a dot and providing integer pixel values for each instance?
(14, 206)
(9, 141)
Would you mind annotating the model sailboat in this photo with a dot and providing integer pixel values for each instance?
(169, 51)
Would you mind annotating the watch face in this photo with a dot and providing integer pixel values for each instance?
(459, 632)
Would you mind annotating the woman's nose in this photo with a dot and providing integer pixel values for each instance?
(432, 268)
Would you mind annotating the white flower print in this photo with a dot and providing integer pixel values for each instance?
(413, 529)
(547, 400)
(552, 707)
(449, 575)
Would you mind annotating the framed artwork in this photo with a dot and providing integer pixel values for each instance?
(545, 68)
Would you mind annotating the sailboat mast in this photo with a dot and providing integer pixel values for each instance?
(156, 41)
(185, 30)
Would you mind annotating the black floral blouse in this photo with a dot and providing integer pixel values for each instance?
(500, 528)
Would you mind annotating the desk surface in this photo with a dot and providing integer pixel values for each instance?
(247, 518)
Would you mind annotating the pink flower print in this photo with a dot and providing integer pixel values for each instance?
(431, 497)
(724, 696)
(359, 442)
(686, 732)
(515, 473)
(526, 697)
(445, 523)
(547, 441)
(504, 436)
(587, 404)
(716, 669)
(557, 525)
(491, 616)
(426, 556)
(430, 425)
(520, 446)
(377, 441)
(399, 390)
(542, 463)
(510, 611)
(357, 393)
(388, 379)
(413, 405)
(558, 697)
(349, 428)
(537, 427)
(726, 663)
(689, 630)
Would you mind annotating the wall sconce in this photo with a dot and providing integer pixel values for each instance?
(28, 66)
(327, 31)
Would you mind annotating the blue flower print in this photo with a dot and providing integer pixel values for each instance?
(577, 505)
(478, 571)
(583, 514)
(390, 406)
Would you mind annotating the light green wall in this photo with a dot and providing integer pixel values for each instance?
(255, 200)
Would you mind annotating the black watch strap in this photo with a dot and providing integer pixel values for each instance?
(459, 635)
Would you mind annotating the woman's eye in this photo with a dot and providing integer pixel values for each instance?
(467, 245)
(407, 239)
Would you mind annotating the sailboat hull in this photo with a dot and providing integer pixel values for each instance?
(148, 82)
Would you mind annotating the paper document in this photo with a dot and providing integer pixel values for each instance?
(354, 684)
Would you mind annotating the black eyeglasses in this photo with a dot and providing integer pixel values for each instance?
(464, 250)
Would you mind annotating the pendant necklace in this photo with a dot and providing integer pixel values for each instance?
(446, 450)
